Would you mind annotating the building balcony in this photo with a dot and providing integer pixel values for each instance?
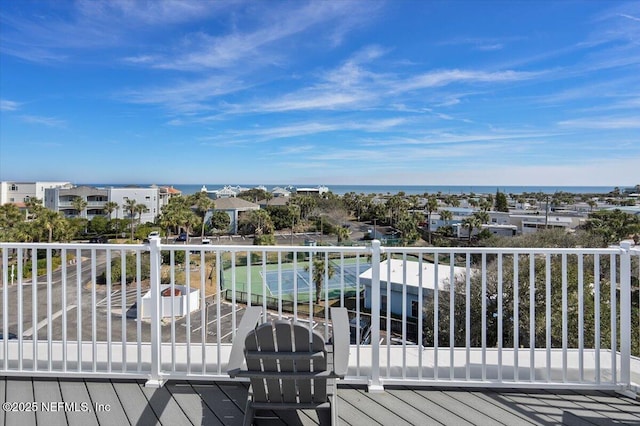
(480, 319)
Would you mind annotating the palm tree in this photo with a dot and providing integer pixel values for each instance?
(318, 274)
(471, 222)
(430, 207)
(140, 210)
(130, 206)
(202, 204)
(110, 207)
(79, 204)
(446, 215)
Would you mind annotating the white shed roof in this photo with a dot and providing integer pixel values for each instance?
(397, 275)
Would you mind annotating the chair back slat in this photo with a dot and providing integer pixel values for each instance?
(284, 337)
(266, 342)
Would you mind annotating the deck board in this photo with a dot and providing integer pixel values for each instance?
(104, 395)
(210, 403)
(19, 390)
(48, 391)
(165, 407)
(75, 392)
(134, 404)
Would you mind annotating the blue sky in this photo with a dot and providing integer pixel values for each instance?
(322, 92)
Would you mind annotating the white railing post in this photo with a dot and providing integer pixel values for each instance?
(155, 380)
(374, 383)
(625, 315)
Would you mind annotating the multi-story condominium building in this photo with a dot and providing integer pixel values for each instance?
(149, 197)
(20, 192)
(61, 200)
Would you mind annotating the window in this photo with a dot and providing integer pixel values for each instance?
(147, 198)
(414, 308)
(383, 303)
(14, 187)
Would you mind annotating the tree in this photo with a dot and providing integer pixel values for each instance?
(140, 210)
(257, 222)
(130, 206)
(79, 204)
(471, 222)
(110, 207)
(220, 221)
(431, 206)
(320, 268)
(501, 204)
(202, 203)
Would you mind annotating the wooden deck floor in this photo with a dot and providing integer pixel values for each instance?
(40, 401)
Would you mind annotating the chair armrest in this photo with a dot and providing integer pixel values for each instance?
(247, 323)
(340, 321)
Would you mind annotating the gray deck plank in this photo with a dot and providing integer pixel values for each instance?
(367, 403)
(48, 391)
(532, 409)
(19, 390)
(104, 395)
(573, 412)
(410, 413)
(439, 413)
(350, 414)
(166, 408)
(499, 412)
(134, 403)
(193, 404)
(616, 407)
(75, 391)
(447, 398)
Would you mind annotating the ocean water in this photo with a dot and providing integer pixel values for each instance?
(410, 189)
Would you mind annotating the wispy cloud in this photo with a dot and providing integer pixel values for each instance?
(610, 123)
(445, 77)
(7, 105)
(45, 121)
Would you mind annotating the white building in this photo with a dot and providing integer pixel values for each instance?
(148, 197)
(409, 276)
(61, 200)
(20, 192)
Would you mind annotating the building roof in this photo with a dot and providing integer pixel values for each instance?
(413, 273)
(233, 203)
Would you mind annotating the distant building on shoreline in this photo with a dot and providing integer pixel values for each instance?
(20, 192)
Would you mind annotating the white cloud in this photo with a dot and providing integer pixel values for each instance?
(45, 121)
(7, 105)
(611, 123)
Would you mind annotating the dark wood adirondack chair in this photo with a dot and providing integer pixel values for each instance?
(291, 367)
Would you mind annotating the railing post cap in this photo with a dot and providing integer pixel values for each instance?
(626, 244)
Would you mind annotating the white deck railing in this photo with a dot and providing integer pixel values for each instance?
(569, 320)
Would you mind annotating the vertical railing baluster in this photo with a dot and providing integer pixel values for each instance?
(375, 383)
(581, 317)
(436, 313)
(139, 308)
(467, 315)
(548, 313)
(625, 314)
(484, 315)
(123, 318)
(420, 315)
(109, 289)
(34, 305)
(187, 272)
(500, 317)
(94, 325)
(404, 313)
(564, 317)
(596, 315)
(532, 316)
(49, 309)
(5, 308)
(452, 295)
(79, 307)
(614, 313)
(219, 271)
(204, 319)
(20, 313)
(63, 289)
(516, 316)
